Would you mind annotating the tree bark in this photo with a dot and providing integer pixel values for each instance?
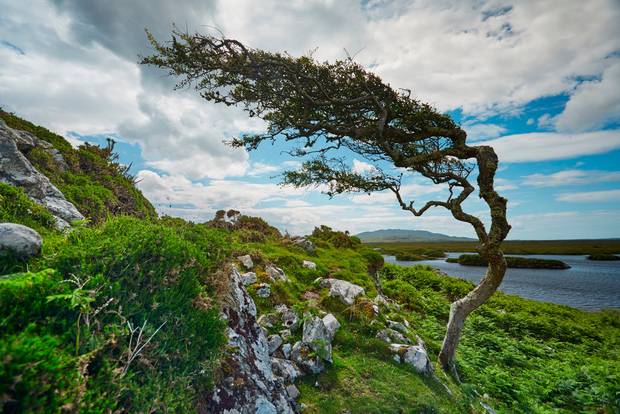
(461, 308)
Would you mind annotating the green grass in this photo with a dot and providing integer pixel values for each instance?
(603, 257)
(568, 247)
(66, 322)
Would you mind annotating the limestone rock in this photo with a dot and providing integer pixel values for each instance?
(289, 317)
(309, 265)
(263, 290)
(414, 355)
(397, 326)
(292, 391)
(391, 336)
(248, 278)
(285, 369)
(275, 273)
(246, 261)
(343, 290)
(286, 350)
(305, 244)
(331, 324)
(317, 337)
(274, 342)
(20, 241)
(15, 169)
(306, 359)
(251, 386)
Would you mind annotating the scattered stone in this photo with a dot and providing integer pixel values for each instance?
(309, 265)
(311, 297)
(301, 354)
(292, 391)
(275, 273)
(381, 300)
(414, 355)
(20, 241)
(250, 386)
(274, 342)
(285, 369)
(389, 336)
(263, 290)
(288, 317)
(286, 350)
(248, 278)
(246, 261)
(375, 309)
(343, 290)
(317, 337)
(267, 320)
(397, 326)
(331, 324)
(305, 244)
(285, 334)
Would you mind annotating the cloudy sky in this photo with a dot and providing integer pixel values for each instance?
(539, 81)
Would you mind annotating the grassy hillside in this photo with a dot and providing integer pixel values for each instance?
(92, 180)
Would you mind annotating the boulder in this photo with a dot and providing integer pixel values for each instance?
(286, 350)
(275, 273)
(263, 290)
(15, 169)
(274, 342)
(248, 278)
(309, 265)
(414, 355)
(307, 360)
(285, 369)
(246, 261)
(317, 337)
(19, 241)
(292, 391)
(331, 324)
(305, 244)
(250, 385)
(343, 290)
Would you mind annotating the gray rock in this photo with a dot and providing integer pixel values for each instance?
(263, 290)
(286, 350)
(289, 317)
(251, 387)
(292, 391)
(331, 324)
(309, 265)
(285, 369)
(317, 337)
(343, 290)
(246, 261)
(274, 342)
(391, 336)
(19, 241)
(397, 326)
(15, 169)
(305, 244)
(414, 355)
(381, 300)
(275, 273)
(248, 278)
(268, 320)
(285, 334)
(306, 359)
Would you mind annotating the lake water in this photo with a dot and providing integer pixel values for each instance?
(588, 285)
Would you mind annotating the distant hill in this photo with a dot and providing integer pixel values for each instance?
(399, 235)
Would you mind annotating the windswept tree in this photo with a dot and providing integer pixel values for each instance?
(322, 108)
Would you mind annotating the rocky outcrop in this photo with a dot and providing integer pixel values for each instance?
(249, 385)
(19, 241)
(15, 169)
(343, 290)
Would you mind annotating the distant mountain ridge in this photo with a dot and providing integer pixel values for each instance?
(400, 235)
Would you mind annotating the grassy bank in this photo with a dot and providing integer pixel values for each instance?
(603, 257)
(512, 262)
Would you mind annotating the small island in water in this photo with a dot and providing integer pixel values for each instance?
(603, 257)
(513, 262)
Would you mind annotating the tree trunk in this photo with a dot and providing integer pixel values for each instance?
(464, 306)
